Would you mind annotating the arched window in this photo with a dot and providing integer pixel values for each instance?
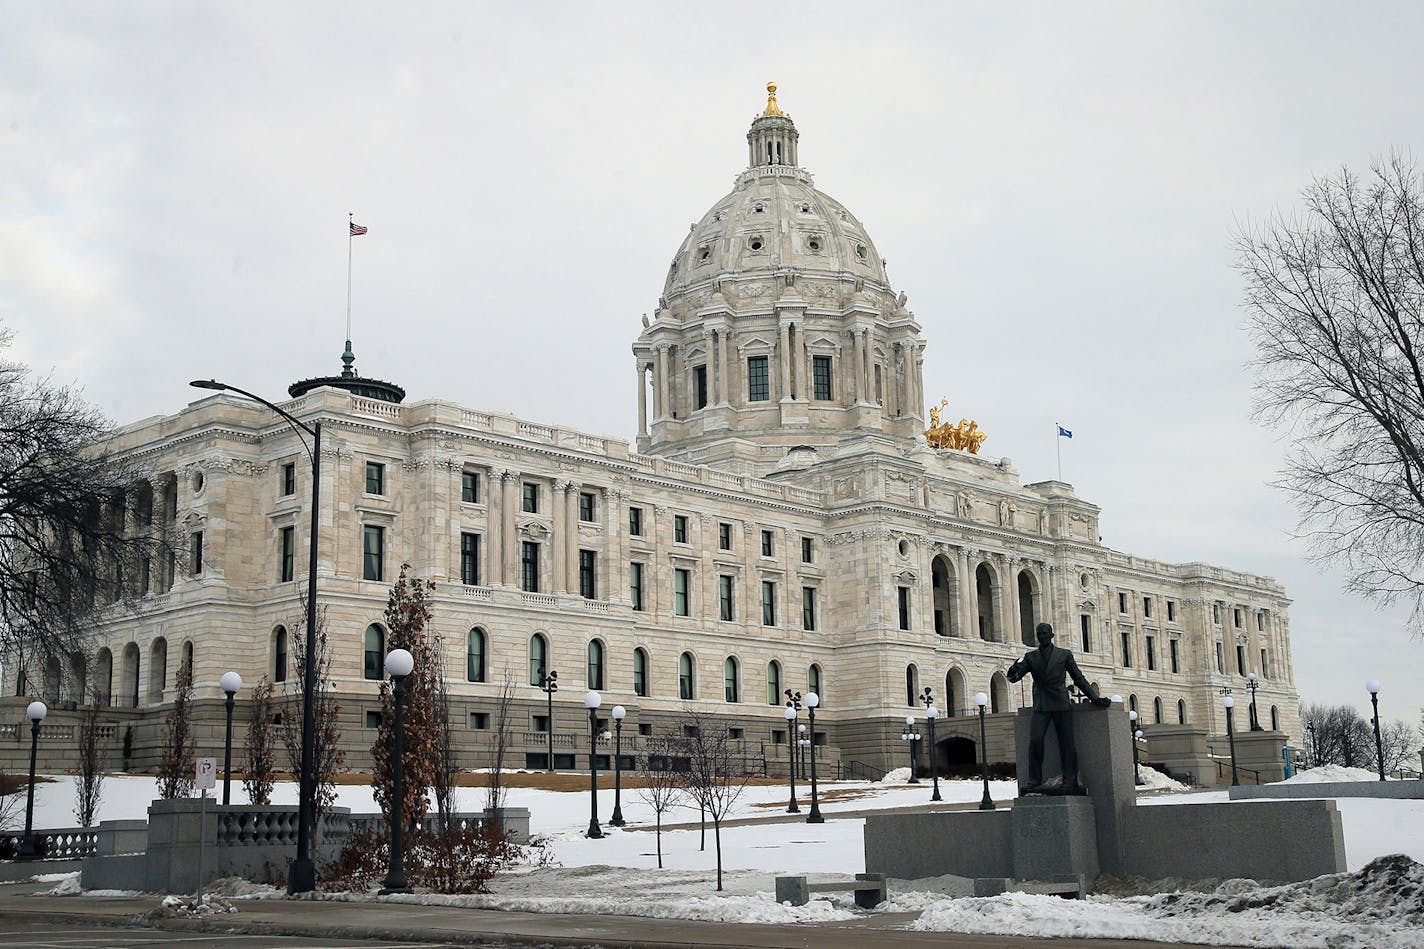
(998, 693)
(814, 683)
(729, 680)
(595, 664)
(1132, 703)
(954, 692)
(685, 684)
(984, 590)
(912, 684)
(188, 656)
(1275, 719)
(773, 683)
(279, 654)
(640, 672)
(538, 658)
(1157, 710)
(375, 652)
(157, 669)
(78, 678)
(130, 680)
(1181, 711)
(1028, 607)
(52, 676)
(104, 677)
(475, 655)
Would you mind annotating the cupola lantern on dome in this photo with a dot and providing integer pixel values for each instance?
(772, 138)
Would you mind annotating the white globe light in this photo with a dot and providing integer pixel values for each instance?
(932, 713)
(592, 700)
(812, 700)
(801, 728)
(1228, 701)
(36, 711)
(790, 713)
(1250, 677)
(618, 713)
(399, 662)
(1373, 686)
(1139, 734)
(909, 721)
(980, 699)
(230, 682)
(1132, 715)
(1116, 700)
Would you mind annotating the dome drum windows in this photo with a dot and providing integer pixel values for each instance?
(756, 243)
(814, 243)
(704, 254)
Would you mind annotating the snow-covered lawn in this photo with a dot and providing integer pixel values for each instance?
(618, 874)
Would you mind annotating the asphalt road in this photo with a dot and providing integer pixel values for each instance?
(37, 934)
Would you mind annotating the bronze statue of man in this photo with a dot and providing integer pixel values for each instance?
(1051, 705)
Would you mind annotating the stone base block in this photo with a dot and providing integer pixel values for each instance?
(125, 871)
(1054, 837)
(1282, 841)
(1396, 790)
(964, 843)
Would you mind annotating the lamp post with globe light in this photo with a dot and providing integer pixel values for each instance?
(909, 736)
(230, 683)
(1374, 689)
(399, 663)
(793, 807)
(801, 742)
(30, 848)
(1253, 684)
(549, 684)
(591, 701)
(302, 875)
(1136, 734)
(932, 713)
(1230, 702)
(814, 817)
(617, 819)
(986, 803)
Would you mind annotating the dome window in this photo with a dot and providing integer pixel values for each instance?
(805, 209)
(704, 252)
(756, 243)
(861, 252)
(758, 208)
(814, 244)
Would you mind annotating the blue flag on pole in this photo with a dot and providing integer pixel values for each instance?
(1064, 433)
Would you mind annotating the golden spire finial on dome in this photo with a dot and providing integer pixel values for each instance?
(771, 106)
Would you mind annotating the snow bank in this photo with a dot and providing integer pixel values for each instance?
(896, 776)
(1154, 780)
(1329, 773)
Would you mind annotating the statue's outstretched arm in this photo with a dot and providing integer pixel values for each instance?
(1084, 686)
(1017, 671)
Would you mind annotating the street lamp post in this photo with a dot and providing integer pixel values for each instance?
(30, 848)
(1229, 702)
(986, 803)
(1136, 734)
(591, 701)
(549, 684)
(230, 683)
(801, 742)
(617, 819)
(1253, 684)
(399, 663)
(793, 807)
(932, 713)
(1310, 728)
(1374, 687)
(813, 700)
(302, 875)
(909, 736)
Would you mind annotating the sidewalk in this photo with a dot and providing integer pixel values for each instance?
(438, 924)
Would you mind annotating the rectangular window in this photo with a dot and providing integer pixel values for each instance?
(289, 479)
(681, 585)
(724, 536)
(529, 567)
(288, 570)
(586, 508)
(375, 478)
(1122, 602)
(1260, 622)
(479, 720)
(1173, 647)
(1147, 607)
(1127, 650)
(768, 603)
(902, 598)
(808, 608)
(725, 597)
(736, 734)
(1151, 654)
(588, 583)
(821, 378)
(635, 522)
(767, 550)
(531, 498)
(1220, 665)
(373, 553)
(470, 559)
(699, 387)
(808, 550)
(645, 728)
(1264, 671)
(1171, 611)
(1236, 617)
(195, 553)
(469, 488)
(635, 585)
(679, 528)
(758, 389)
(1085, 627)
(1240, 659)
(1216, 613)
(373, 718)
(538, 723)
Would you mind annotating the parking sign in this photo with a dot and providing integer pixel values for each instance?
(207, 774)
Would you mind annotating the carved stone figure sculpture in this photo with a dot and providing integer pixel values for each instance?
(1048, 664)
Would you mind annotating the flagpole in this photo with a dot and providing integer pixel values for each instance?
(1057, 438)
(350, 215)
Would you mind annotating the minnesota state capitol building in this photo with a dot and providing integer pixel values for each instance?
(781, 523)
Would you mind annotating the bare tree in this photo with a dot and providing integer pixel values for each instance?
(327, 756)
(1338, 734)
(663, 787)
(502, 722)
(445, 776)
(89, 781)
(408, 614)
(1333, 296)
(259, 775)
(76, 522)
(1398, 744)
(175, 768)
(713, 780)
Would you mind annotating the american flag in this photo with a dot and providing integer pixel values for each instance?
(357, 230)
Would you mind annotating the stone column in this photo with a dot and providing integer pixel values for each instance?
(157, 572)
(614, 573)
(1013, 633)
(509, 559)
(724, 380)
(558, 512)
(492, 568)
(968, 599)
(642, 398)
(571, 535)
(661, 381)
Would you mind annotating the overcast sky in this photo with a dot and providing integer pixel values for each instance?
(1056, 188)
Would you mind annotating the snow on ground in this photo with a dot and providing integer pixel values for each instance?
(618, 873)
(1154, 780)
(1330, 773)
